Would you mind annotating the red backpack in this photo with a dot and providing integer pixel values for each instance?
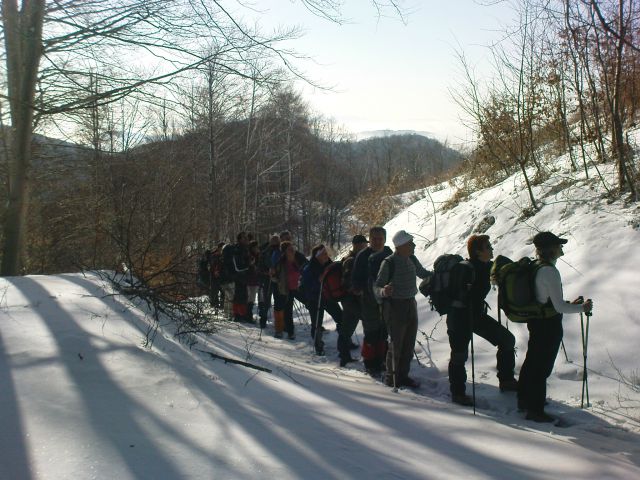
(332, 285)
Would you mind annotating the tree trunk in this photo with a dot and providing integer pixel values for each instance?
(23, 46)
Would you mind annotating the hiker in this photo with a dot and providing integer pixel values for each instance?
(203, 277)
(351, 308)
(374, 343)
(545, 333)
(396, 285)
(240, 265)
(287, 270)
(314, 280)
(468, 286)
(215, 267)
(253, 278)
(268, 283)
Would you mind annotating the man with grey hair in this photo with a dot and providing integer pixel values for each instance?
(396, 287)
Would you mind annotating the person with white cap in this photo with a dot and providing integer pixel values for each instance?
(545, 334)
(396, 286)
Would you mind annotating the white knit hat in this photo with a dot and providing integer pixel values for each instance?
(400, 238)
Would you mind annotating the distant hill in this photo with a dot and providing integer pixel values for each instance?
(389, 133)
(380, 158)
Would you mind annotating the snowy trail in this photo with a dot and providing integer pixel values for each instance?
(82, 399)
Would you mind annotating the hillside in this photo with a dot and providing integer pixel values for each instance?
(82, 399)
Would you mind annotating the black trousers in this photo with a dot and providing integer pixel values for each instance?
(269, 290)
(288, 310)
(332, 308)
(459, 328)
(545, 337)
(351, 313)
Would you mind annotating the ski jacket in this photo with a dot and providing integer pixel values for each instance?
(282, 274)
(360, 273)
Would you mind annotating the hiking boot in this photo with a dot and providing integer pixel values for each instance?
(278, 335)
(320, 351)
(374, 372)
(388, 381)
(522, 406)
(345, 360)
(291, 336)
(462, 399)
(539, 417)
(409, 382)
(510, 385)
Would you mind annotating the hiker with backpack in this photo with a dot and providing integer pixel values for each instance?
(215, 267)
(545, 328)
(469, 285)
(288, 270)
(374, 343)
(203, 276)
(351, 309)
(320, 285)
(396, 286)
(238, 265)
(268, 283)
(253, 278)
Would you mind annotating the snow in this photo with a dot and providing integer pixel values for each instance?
(82, 398)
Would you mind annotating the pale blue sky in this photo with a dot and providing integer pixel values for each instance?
(387, 75)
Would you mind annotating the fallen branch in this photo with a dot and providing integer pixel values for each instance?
(237, 362)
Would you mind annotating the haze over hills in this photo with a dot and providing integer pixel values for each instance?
(389, 133)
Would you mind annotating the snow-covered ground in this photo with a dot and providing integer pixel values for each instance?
(82, 398)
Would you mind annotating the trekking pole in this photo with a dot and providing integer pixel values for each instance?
(417, 359)
(393, 348)
(566, 357)
(473, 375)
(473, 364)
(585, 341)
(317, 327)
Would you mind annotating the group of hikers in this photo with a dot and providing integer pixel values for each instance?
(377, 285)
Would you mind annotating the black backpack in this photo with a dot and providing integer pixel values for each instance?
(437, 286)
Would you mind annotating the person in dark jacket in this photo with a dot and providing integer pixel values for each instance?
(545, 334)
(374, 343)
(313, 279)
(241, 260)
(469, 286)
(351, 308)
(268, 282)
(217, 294)
(288, 270)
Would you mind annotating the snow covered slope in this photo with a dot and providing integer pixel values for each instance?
(81, 398)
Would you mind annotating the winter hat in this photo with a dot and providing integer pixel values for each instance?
(359, 239)
(548, 239)
(400, 238)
